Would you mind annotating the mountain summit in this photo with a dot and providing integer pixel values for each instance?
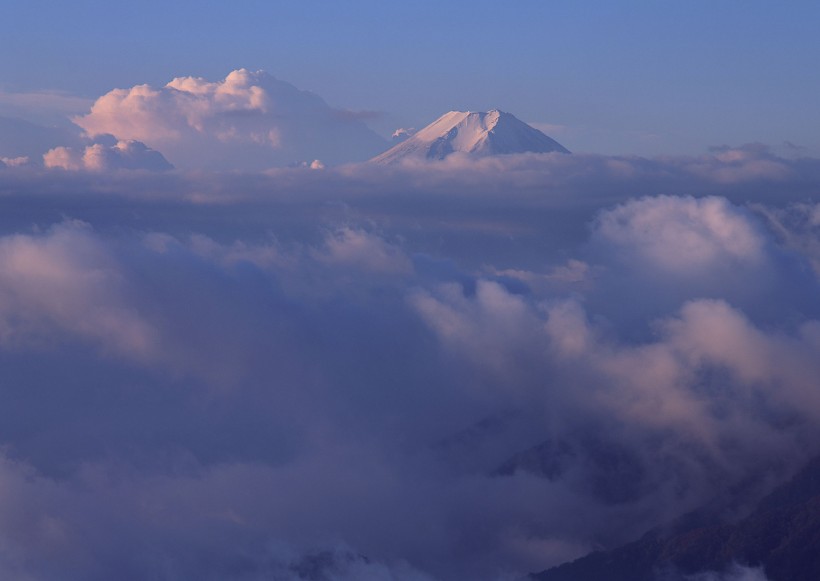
(474, 133)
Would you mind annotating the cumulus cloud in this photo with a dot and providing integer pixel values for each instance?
(249, 120)
(473, 371)
(100, 157)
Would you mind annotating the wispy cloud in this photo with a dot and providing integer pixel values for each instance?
(42, 103)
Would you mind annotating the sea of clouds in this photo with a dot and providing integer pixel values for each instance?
(471, 369)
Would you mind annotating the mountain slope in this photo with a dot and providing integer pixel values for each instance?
(782, 535)
(473, 133)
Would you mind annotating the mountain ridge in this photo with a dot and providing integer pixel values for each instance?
(782, 535)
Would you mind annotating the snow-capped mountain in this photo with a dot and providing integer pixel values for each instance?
(475, 133)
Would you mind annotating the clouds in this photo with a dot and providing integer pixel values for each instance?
(476, 370)
(356, 249)
(662, 387)
(249, 120)
(682, 235)
(25, 143)
(20, 138)
(43, 105)
(58, 533)
(65, 282)
(100, 157)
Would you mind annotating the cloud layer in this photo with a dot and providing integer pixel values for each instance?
(468, 371)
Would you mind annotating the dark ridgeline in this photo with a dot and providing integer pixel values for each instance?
(782, 535)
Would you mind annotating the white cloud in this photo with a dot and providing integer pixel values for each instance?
(249, 120)
(100, 157)
(356, 249)
(680, 235)
(14, 161)
(64, 282)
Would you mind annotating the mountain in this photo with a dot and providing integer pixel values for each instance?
(782, 535)
(608, 472)
(473, 133)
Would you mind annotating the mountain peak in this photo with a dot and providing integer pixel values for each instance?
(476, 133)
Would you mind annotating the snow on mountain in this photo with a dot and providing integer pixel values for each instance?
(478, 134)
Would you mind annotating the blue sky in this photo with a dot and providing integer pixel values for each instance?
(635, 76)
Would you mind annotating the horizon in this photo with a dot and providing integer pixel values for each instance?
(616, 79)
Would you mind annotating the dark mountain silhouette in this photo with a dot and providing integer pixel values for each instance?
(782, 535)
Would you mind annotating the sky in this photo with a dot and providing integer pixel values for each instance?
(641, 77)
(234, 349)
